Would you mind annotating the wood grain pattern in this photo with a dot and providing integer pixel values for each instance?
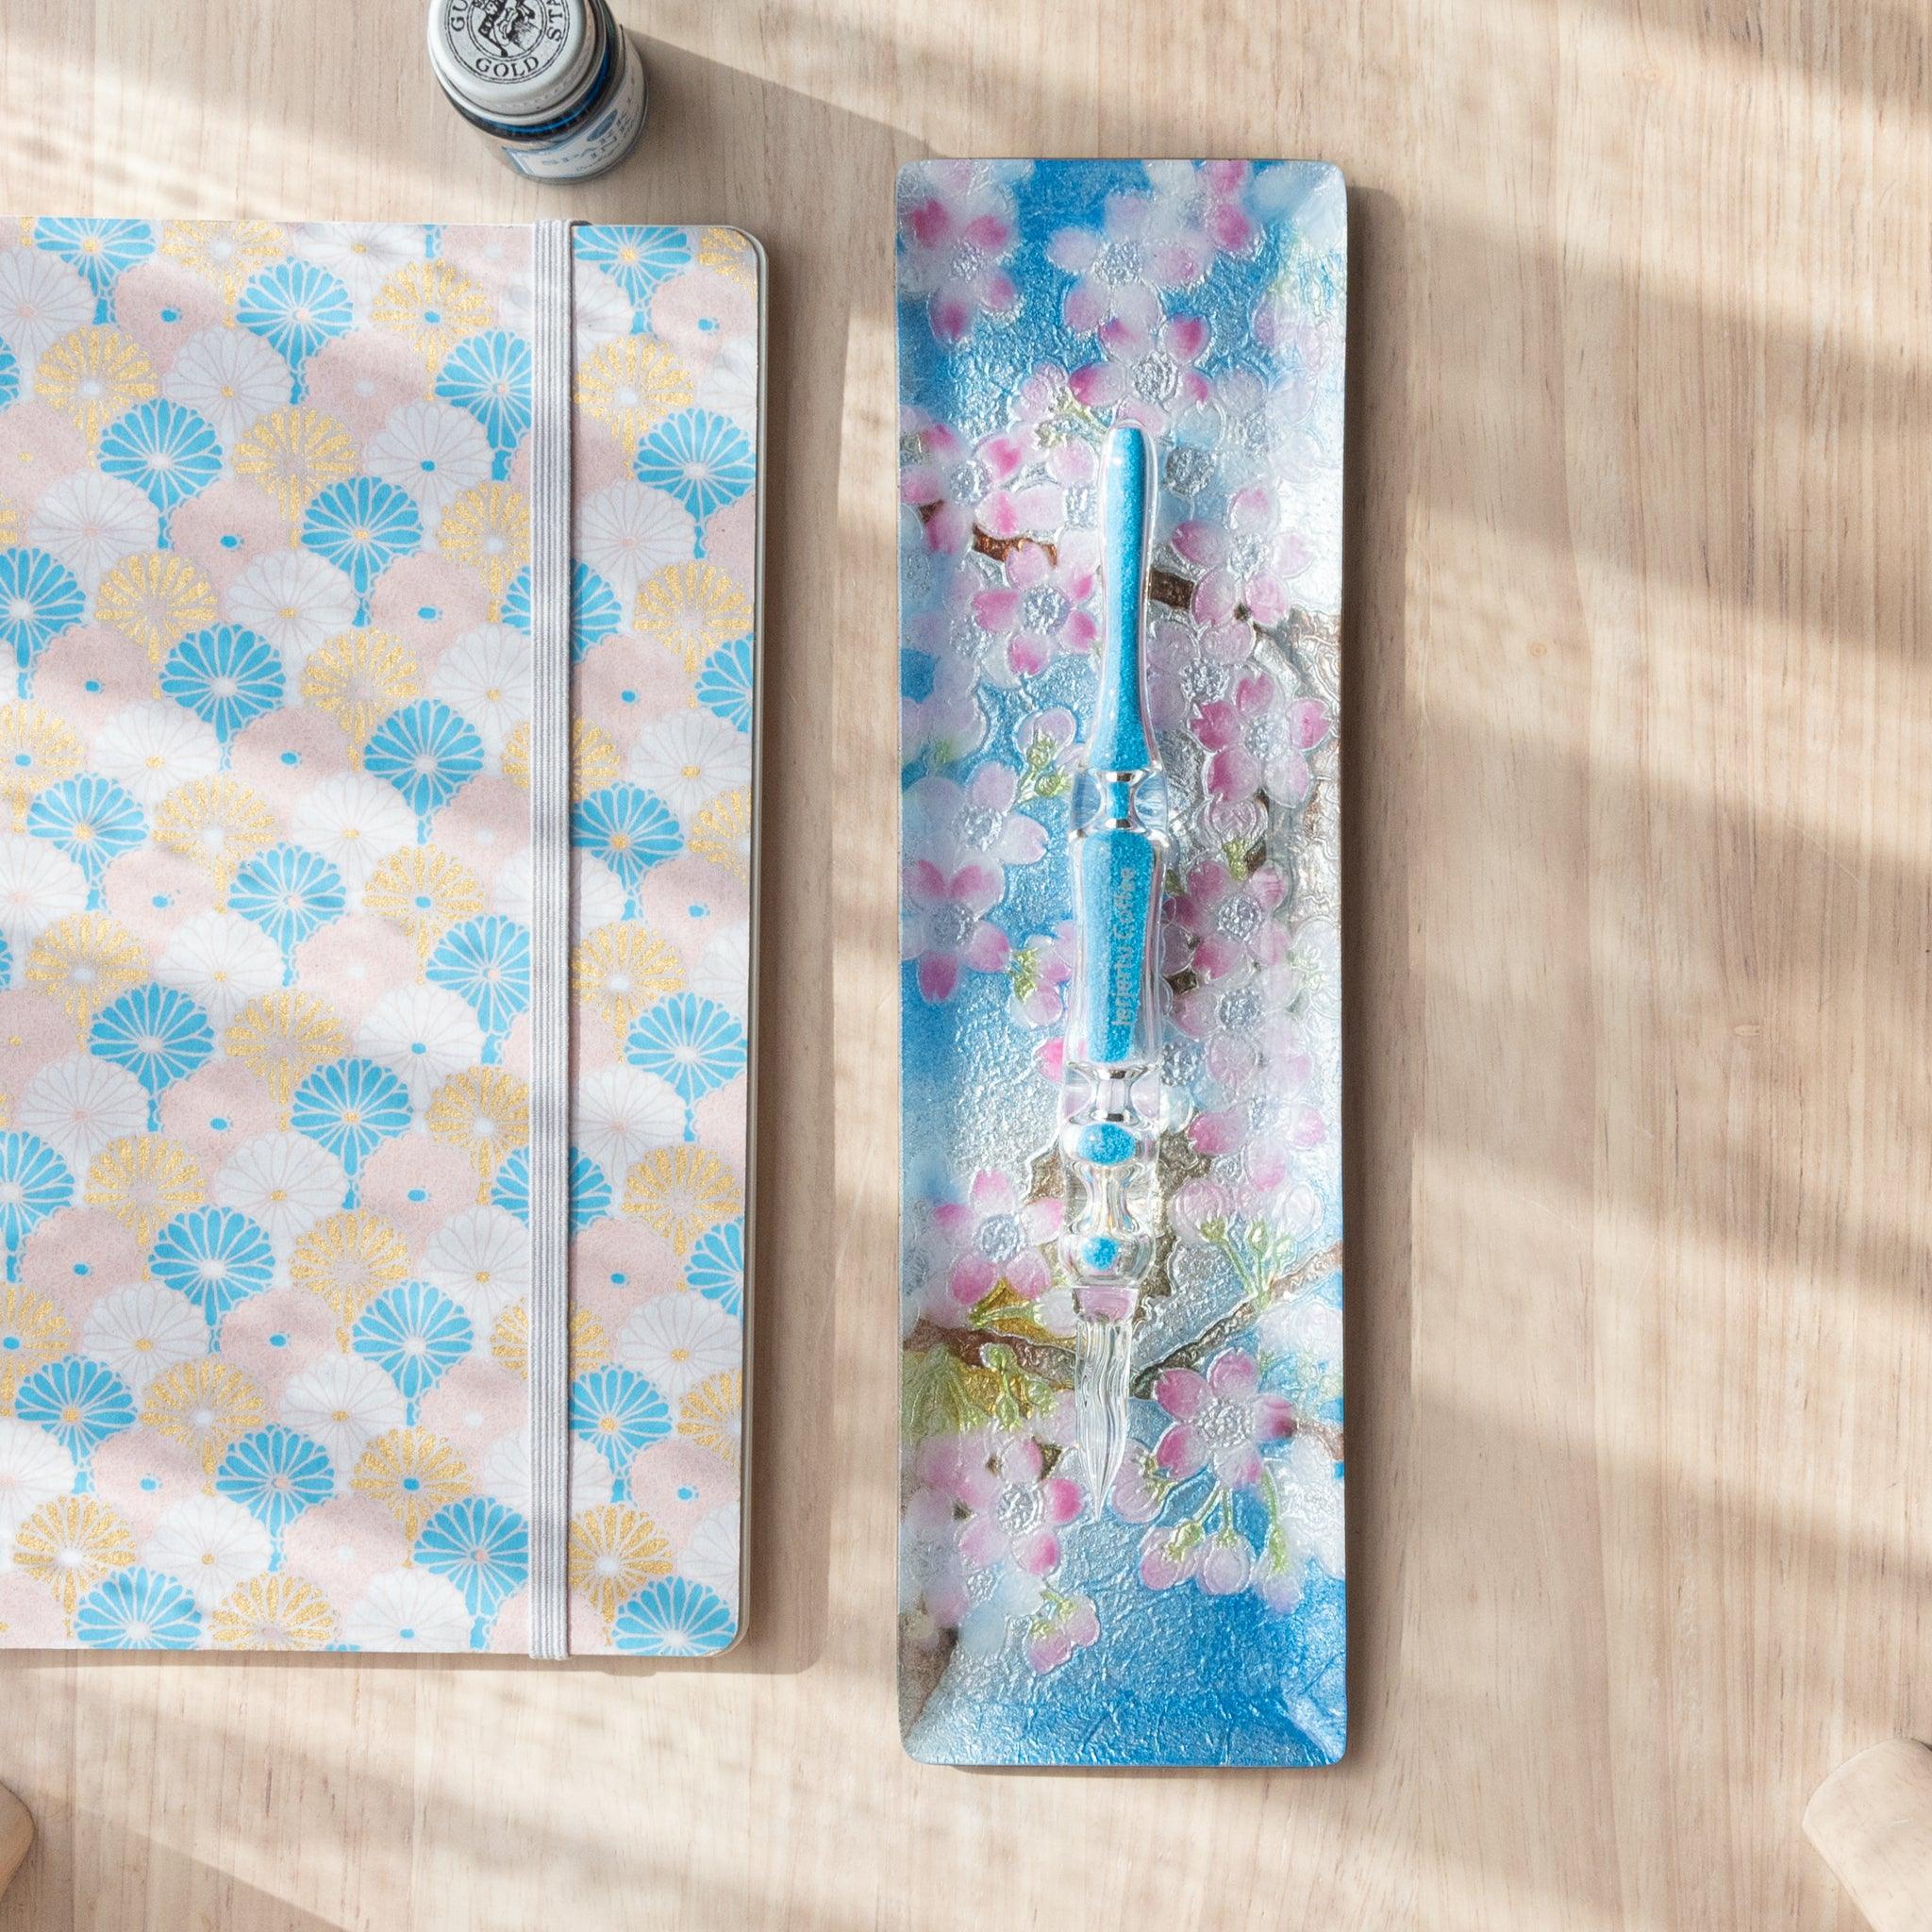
(1638, 851)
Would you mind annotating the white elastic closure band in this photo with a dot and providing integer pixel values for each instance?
(550, 749)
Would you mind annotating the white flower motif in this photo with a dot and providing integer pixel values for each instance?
(90, 521)
(730, 385)
(209, 1545)
(152, 748)
(231, 376)
(362, 255)
(485, 675)
(408, 1609)
(714, 1554)
(601, 311)
(434, 451)
(723, 970)
(678, 1340)
(78, 1105)
(342, 1401)
(355, 822)
(425, 1033)
(482, 1257)
(618, 1113)
(286, 1182)
(596, 896)
(33, 1468)
(222, 961)
(506, 1474)
(295, 599)
(139, 1331)
(41, 298)
(689, 758)
(626, 532)
(37, 887)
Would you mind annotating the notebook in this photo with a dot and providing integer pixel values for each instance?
(379, 624)
(1190, 1608)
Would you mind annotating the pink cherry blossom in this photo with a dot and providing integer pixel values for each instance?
(956, 230)
(1042, 607)
(952, 824)
(1017, 1510)
(1147, 375)
(956, 487)
(1259, 742)
(1061, 1629)
(997, 1237)
(945, 926)
(947, 724)
(1046, 963)
(1229, 918)
(1221, 1420)
(1145, 243)
(1047, 433)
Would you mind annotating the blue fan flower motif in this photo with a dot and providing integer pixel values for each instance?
(351, 1106)
(510, 1189)
(489, 375)
(291, 893)
(227, 676)
(672, 1617)
(165, 449)
(39, 599)
(295, 306)
(429, 753)
(591, 1199)
(486, 962)
(362, 525)
(276, 1473)
(101, 250)
(92, 820)
(702, 459)
(690, 1041)
(595, 611)
(80, 1402)
(631, 830)
(138, 1608)
(483, 1547)
(724, 683)
(716, 1269)
(157, 1034)
(34, 1183)
(415, 1334)
(617, 1412)
(217, 1257)
(636, 259)
(10, 378)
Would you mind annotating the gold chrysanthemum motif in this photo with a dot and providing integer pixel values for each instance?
(432, 307)
(292, 455)
(712, 1415)
(347, 1260)
(620, 970)
(730, 254)
(510, 1341)
(722, 832)
(143, 1181)
(485, 1112)
(274, 1613)
(680, 1191)
(70, 1543)
(32, 1331)
(281, 1037)
(226, 254)
(357, 678)
(631, 385)
(594, 758)
(208, 1406)
(217, 823)
(93, 375)
(486, 529)
(412, 1474)
(38, 748)
(155, 599)
(690, 609)
(424, 890)
(83, 961)
(9, 522)
(614, 1551)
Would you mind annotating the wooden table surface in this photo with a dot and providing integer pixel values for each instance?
(1640, 902)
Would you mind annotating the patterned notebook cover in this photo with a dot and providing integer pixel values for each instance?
(266, 945)
(1193, 1615)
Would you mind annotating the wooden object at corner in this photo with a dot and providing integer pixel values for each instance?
(16, 1835)
(1872, 1821)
